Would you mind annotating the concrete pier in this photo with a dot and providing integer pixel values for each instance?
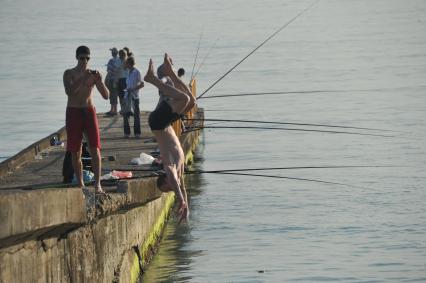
(55, 233)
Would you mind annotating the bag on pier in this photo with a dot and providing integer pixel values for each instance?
(68, 170)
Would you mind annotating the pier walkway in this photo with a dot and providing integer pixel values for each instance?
(51, 232)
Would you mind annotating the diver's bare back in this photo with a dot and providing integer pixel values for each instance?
(80, 84)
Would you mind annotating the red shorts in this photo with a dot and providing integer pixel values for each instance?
(79, 120)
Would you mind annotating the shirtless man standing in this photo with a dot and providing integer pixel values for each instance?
(81, 114)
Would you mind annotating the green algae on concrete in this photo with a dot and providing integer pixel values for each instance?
(189, 158)
(155, 233)
(135, 269)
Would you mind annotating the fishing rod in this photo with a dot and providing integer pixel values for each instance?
(259, 175)
(226, 110)
(204, 59)
(292, 178)
(50, 185)
(290, 123)
(157, 172)
(216, 123)
(289, 168)
(115, 181)
(260, 45)
(307, 92)
(273, 93)
(299, 92)
(286, 129)
(196, 55)
(53, 185)
(190, 172)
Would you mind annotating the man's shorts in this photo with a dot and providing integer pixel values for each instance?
(79, 120)
(162, 117)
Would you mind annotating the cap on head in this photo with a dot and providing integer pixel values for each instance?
(114, 50)
(82, 50)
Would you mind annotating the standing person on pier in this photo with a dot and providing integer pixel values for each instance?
(81, 114)
(122, 73)
(134, 84)
(180, 101)
(111, 81)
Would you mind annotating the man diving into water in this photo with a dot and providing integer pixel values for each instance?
(167, 111)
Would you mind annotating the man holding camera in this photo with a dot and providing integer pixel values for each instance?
(81, 114)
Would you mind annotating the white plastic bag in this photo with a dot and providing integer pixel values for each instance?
(146, 158)
(143, 159)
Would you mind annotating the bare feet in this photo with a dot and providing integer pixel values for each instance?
(99, 190)
(150, 75)
(168, 65)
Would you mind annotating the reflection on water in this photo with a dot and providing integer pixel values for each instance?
(172, 262)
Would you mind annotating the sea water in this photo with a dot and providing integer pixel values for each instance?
(367, 59)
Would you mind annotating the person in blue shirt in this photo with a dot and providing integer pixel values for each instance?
(131, 98)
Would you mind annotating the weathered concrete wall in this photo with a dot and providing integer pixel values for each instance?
(102, 251)
(133, 191)
(26, 214)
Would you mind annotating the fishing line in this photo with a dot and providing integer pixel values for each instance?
(286, 129)
(291, 168)
(189, 172)
(204, 59)
(157, 172)
(260, 45)
(196, 55)
(40, 186)
(273, 93)
(260, 175)
(290, 123)
(292, 178)
(226, 110)
(304, 92)
(216, 123)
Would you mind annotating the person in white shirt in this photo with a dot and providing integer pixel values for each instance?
(134, 83)
(122, 73)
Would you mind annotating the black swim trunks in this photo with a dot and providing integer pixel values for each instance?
(162, 117)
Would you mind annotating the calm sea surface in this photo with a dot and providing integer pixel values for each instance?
(369, 56)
